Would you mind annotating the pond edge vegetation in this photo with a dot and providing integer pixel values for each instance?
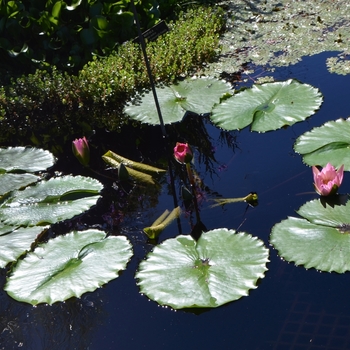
(51, 102)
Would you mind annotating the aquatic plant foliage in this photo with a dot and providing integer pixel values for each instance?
(68, 266)
(268, 33)
(27, 159)
(320, 239)
(15, 241)
(269, 106)
(222, 266)
(50, 201)
(139, 171)
(189, 95)
(327, 143)
(28, 203)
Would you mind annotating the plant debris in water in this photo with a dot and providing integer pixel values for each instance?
(281, 33)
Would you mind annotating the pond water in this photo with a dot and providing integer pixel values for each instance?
(292, 308)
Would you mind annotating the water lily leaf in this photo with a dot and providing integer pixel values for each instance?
(269, 106)
(321, 239)
(193, 95)
(145, 168)
(139, 171)
(162, 222)
(16, 241)
(68, 266)
(220, 267)
(10, 182)
(25, 159)
(327, 143)
(50, 201)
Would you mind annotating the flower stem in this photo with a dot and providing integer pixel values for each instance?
(193, 188)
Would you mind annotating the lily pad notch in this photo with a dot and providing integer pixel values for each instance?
(222, 266)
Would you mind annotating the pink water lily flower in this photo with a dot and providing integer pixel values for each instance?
(80, 148)
(328, 180)
(183, 153)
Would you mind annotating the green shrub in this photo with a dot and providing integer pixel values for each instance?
(67, 33)
(44, 106)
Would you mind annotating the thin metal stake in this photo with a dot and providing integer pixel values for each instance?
(165, 136)
(143, 47)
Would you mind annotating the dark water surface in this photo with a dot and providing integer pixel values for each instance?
(293, 308)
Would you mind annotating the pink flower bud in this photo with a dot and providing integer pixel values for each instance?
(183, 153)
(80, 148)
(328, 180)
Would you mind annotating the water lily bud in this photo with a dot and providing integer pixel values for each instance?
(80, 148)
(183, 153)
(328, 180)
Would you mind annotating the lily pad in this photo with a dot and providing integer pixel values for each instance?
(68, 266)
(16, 241)
(220, 267)
(269, 106)
(10, 182)
(25, 159)
(320, 240)
(50, 201)
(327, 143)
(193, 95)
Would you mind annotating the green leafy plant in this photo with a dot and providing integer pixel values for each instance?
(68, 34)
(50, 201)
(68, 266)
(320, 239)
(220, 267)
(17, 164)
(327, 143)
(15, 241)
(95, 97)
(269, 106)
(139, 171)
(190, 95)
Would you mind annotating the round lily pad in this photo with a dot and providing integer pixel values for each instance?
(220, 267)
(51, 201)
(328, 143)
(14, 241)
(10, 182)
(193, 95)
(320, 240)
(25, 159)
(269, 106)
(68, 266)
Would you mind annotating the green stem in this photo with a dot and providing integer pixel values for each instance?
(194, 192)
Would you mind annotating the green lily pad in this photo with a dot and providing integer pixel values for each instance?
(327, 143)
(10, 182)
(68, 266)
(193, 95)
(269, 106)
(220, 267)
(25, 159)
(14, 241)
(50, 201)
(320, 240)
